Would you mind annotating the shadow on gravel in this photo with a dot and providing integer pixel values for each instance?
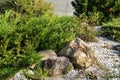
(117, 48)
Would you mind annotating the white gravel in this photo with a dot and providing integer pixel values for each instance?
(107, 55)
(104, 46)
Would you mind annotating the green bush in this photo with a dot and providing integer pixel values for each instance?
(112, 29)
(21, 38)
(15, 53)
(106, 9)
(54, 32)
(27, 27)
(29, 7)
(84, 28)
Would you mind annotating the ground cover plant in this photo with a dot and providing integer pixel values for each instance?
(112, 29)
(21, 39)
(30, 7)
(84, 27)
(17, 43)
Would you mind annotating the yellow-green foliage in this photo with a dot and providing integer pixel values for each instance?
(84, 27)
(22, 36)
(31, 7)
(26, 29)
(38, 73)
(90, 21)
(36, 7)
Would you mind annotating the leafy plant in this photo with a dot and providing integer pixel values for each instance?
(37, 73)
(29, 7)
(21, 39)
(54, 32)
(84, 29)
(15, 52)
(5, 72)
(106, 9)
(112, 29)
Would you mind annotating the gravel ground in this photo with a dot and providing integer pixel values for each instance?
(108, 54)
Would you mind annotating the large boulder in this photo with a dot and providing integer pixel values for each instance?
(46, 54)
(57, 65)
(81, 55)
(53, 64)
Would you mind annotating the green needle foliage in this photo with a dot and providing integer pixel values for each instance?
(29, 7)
(106, 9)
(84, 27)
(22, 37)
(112, 29)
(26, 27)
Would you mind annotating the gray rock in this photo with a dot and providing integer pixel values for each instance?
(53, 64)
(79, 54)
(57, 65)
(47, 54)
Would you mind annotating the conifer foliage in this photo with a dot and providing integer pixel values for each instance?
(106, 9)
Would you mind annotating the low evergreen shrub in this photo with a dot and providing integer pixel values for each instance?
(112, 29)
(22, 37)
(50, 32)
(29, 7)
(106, 9)
(84, 28)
